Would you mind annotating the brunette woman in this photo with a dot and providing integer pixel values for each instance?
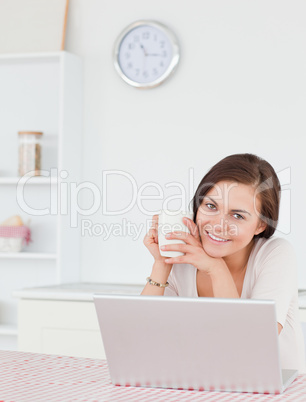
(231, 252)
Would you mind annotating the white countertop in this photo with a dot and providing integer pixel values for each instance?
(84, 291)
(76, 291)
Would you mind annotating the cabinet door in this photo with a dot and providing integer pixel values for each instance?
(68, 328)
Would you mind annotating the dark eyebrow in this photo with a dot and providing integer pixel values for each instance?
(233, 210)
(240, 210)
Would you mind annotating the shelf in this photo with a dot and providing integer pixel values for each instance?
(32, 180)
(6, 329)
(28, 256)
(30, 56)
(41, 91)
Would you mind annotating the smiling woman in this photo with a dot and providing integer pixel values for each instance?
(230, 251)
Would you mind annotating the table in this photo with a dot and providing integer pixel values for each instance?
(40, 377)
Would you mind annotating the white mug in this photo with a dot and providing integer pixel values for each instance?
(171, 221)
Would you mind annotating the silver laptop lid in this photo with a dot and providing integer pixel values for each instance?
(191, 343)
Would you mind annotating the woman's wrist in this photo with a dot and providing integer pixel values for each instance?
(161, 264)
(160, 271)
(222, 282)
(216, 269)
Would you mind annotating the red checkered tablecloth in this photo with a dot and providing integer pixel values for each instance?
(37, 377)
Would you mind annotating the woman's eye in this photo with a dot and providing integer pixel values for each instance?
(237, 216)
(210, 206)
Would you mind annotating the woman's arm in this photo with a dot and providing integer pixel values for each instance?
(224, 286)
(279, 328)
(161, 270)
(223, 283)
(275, 273)
(160, 273)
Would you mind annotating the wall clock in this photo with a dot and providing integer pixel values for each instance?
(146, 53)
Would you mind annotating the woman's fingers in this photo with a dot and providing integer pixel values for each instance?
(186, 237)
(151, 234)
(184, 248)
(193, 238)
(177, 260)
(194, 230)
(154, 228)
(155, 221)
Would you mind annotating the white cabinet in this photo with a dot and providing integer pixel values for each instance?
(62, 319)
(68, 328)
(40, 92)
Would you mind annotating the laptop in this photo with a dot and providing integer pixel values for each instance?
(211, 344)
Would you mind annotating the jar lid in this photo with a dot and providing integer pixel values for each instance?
(30, 132)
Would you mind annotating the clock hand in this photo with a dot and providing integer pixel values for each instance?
(144, 59)
(145, 53)
(153, 54)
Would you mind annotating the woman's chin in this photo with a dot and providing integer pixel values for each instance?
(212, 252)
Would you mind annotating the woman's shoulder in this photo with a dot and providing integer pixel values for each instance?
(273, 265)
(275, 249)
(274, 243)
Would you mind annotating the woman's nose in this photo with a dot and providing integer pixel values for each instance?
(220, 225)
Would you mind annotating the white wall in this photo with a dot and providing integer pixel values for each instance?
(240, 87)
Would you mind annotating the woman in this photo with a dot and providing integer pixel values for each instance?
(230, 251)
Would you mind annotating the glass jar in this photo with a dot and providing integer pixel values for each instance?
(29, 152)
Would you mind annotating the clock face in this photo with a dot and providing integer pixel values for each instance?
(146, 53)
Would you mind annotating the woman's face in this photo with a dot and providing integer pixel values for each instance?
(228, 218)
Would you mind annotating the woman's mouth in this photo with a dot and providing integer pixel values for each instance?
(216, 239)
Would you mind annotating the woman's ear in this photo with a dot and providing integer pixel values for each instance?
(260, 228)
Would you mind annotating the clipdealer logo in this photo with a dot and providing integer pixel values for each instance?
(66, 195)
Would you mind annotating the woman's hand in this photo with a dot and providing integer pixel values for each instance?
(161, 270)
(151, 241)
(193, 249)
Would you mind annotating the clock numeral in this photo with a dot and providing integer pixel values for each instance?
(130, 65)
(155, 72)
(127, 55)
(137, 71)
(131, 46)
(155, 37)
(146, 35)
(162, 44)
(136, 38)
(164, 54)
(145, 74)
(161, 64)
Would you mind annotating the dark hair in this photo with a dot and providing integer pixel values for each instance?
(246, 169)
